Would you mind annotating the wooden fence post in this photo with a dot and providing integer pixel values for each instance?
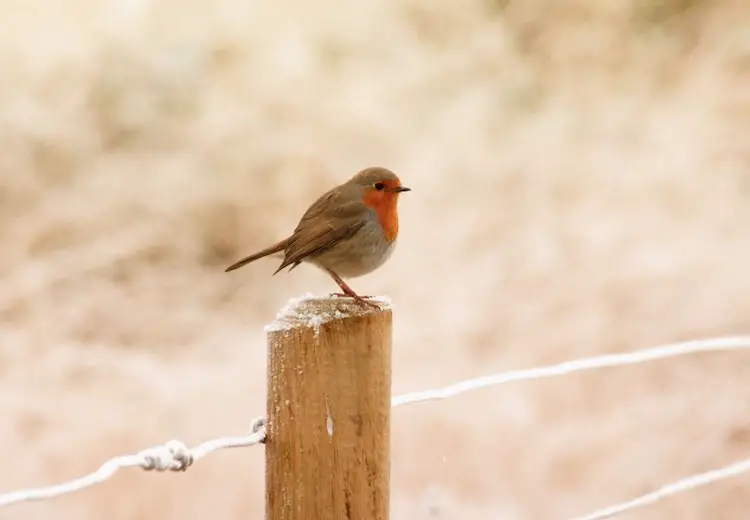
(329, 407)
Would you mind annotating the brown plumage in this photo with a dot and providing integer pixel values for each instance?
(349, 231)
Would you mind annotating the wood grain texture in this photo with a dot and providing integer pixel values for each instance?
(328, 405)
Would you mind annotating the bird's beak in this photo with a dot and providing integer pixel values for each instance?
(399, 189)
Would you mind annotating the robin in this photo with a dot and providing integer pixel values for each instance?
(349, 231)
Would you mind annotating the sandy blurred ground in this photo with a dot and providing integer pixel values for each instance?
(581, 185)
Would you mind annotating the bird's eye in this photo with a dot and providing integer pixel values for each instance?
(379, 186)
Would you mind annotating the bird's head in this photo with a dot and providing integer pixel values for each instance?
(380, 188)
(378, 184)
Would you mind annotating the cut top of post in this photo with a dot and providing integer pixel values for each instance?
(313, 311)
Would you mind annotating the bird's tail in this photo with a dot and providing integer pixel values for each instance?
(280, 246)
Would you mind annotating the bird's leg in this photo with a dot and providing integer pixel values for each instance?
(348, 291)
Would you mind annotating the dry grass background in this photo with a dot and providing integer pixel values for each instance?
(581, 179)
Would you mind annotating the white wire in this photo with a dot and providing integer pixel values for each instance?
(172, 456)
(611, 360)
(669, 490)
(579, 365)
(175, 456)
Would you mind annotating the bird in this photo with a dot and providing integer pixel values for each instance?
(349, 231)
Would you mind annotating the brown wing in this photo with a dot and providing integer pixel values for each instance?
(328, 221)
(335, 203)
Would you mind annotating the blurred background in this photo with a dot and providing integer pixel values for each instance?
(581, 185)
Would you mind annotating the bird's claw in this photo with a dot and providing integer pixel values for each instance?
(355, 296)
(362, 300)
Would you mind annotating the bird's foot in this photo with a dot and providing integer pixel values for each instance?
(362, 300)
(347, 295)
(349, 292)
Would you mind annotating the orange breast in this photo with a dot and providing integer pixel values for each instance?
(385, 206)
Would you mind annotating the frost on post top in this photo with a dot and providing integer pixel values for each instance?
(313, 311)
